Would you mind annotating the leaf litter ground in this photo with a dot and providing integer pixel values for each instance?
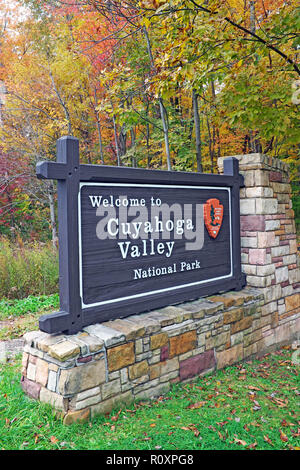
(253, 405)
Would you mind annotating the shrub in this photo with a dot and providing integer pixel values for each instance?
(27, 269)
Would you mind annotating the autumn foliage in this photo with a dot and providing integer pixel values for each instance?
(152, 84)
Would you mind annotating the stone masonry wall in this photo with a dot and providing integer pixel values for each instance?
(268, 234)
(120, 361)
(139, 357)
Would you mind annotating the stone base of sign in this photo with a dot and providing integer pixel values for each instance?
(112, 364)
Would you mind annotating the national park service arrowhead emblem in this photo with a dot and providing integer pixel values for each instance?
(213, 216)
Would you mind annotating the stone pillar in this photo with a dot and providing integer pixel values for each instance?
(268, 234)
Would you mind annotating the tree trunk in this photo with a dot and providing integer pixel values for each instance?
(116, 141)
(211, 149)
(197, 132)
(98, 127)
(163, 114)
(252, 16)
(132, 144)
(63, 104)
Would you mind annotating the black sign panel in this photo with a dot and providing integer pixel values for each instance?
(133, 240)
(129, 256)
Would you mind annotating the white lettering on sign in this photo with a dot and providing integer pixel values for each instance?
(148, 248)
(97, 201)
(156, 222)
(154, 271)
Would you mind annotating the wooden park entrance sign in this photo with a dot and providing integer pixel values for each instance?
(133, 240)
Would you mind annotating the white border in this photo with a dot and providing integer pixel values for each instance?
(143, 294)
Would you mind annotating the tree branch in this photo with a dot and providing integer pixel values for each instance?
(251, 33)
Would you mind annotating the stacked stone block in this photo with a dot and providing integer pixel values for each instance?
(268, 235)
(117, 362)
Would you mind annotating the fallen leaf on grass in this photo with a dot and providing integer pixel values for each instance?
(268, 440)
(252, 446)
(53, 440)
(222, 423)
(199, 404)
(278, 402)
(193, 428)
(240, 442)
(283, 436)
(116, 417)
(251, 387)
(256, 408)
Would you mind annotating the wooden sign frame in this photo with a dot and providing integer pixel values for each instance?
(70, 175)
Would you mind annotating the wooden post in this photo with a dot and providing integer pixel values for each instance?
(66, 171)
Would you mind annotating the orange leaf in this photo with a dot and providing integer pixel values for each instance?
(116, 417)
(53, 439)
(283, 437)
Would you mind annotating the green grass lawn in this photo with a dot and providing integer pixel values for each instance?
(254, 405)
(21, 315)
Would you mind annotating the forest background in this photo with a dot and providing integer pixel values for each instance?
(152, 84)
